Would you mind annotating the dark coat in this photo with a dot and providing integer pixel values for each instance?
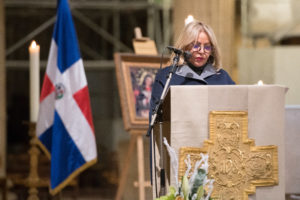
(184, 75)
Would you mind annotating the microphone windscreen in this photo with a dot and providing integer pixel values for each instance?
(175, 50)
(187, 55)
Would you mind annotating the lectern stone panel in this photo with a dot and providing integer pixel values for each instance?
(189, 112)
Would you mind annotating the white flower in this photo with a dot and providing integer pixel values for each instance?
(198, 180)
(174, 161)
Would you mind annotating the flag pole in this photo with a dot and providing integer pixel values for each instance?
(65, 127)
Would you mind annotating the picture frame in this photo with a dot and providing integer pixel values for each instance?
(135, 77)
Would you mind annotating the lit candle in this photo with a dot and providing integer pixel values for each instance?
(260, 82)
(189, 19)
(34, 78)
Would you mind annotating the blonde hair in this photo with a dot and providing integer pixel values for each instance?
(189, 36)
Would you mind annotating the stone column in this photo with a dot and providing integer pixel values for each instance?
(2, 92)
(220, 15)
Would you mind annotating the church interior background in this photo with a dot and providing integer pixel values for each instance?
(259, 40)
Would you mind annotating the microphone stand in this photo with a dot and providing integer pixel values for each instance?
(157, 116)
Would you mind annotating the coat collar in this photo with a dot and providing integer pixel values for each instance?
(186, 71)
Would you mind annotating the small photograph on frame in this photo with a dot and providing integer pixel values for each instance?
(135, 76)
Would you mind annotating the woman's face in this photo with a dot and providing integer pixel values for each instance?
(201, 50)
(148, 81)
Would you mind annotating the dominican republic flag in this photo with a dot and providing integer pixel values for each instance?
(65, 127)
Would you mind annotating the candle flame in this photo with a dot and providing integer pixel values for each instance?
(260, 82)
(189, 19)
(33, 44)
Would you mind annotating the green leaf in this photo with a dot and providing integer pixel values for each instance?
(169, 196)
(163, 198)
(185, 187)
(198, 181)
(200, 192)
(172, 190)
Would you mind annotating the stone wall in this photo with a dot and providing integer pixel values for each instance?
(273, 65)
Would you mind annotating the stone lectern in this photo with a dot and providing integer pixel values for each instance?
(186, 112)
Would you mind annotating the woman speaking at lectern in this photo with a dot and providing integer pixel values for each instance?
(201, 67)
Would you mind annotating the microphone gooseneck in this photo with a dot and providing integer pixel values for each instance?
(156, 116)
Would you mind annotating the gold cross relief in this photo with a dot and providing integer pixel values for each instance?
(235, 163)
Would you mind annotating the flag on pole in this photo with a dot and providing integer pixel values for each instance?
(65, 127)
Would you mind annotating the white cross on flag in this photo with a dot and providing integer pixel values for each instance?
(65, 127)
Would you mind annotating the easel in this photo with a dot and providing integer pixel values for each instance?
(143, 46)
(136, 136)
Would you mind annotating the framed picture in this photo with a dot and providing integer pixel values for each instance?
(135, 76)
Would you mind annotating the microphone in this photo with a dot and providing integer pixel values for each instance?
(186, 54)
(178, 51)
